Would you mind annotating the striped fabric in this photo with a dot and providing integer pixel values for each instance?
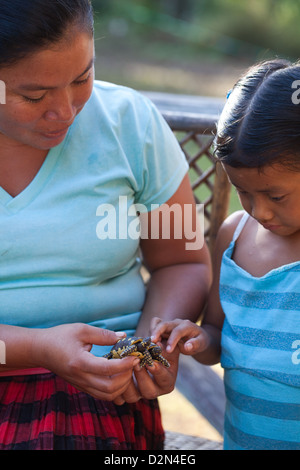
(43, 412)
(261, 336)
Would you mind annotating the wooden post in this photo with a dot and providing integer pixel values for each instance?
(220, 204)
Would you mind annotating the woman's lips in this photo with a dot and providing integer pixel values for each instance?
(55, 134)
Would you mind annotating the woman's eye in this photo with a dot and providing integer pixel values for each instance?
(85, 80)
(33, 100)
(39, 99)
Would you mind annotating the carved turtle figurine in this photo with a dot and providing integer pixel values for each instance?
(143, 348)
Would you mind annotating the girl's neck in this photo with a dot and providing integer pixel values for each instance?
(258, 251)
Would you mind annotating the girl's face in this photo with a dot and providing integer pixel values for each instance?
(45, 92)
(270, 195)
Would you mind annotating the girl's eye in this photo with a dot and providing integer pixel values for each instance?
(277, 198)
(240, 192)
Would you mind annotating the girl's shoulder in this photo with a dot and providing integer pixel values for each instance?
(225, 235)
(228, 228)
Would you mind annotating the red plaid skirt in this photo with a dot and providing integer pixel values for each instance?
(43, 412)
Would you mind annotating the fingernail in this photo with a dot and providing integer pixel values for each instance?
(120, 334)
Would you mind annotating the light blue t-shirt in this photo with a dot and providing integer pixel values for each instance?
(65, 255)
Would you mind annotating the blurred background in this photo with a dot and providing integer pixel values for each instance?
(196, 47)
(193, 47)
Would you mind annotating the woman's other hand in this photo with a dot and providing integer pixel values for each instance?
(65, 350)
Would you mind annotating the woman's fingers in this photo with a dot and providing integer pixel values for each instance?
(109, 367)
(101, 336)
(108, 387)
(132, 393)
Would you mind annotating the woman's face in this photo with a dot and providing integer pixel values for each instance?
(45, 92)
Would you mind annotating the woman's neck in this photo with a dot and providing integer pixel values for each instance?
(19, 164)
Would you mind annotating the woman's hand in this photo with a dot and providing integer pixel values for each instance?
(150, 382)
(65, 350)
(158, 379)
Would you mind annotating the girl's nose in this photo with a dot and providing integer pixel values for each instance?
(261, 212)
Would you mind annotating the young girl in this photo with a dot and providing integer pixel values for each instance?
(252, 320)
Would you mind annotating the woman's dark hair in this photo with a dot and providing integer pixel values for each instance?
(29, 25)
(260, 123)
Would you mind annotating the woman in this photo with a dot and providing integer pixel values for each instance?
(70, 150)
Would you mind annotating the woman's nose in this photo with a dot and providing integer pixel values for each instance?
(62, 108)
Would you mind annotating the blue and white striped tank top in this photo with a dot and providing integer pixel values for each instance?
(261, 355)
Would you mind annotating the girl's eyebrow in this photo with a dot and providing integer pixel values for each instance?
(271, 189)
(37, 87)
(235, 185)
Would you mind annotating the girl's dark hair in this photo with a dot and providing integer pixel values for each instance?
(260, 123)
(29, 25)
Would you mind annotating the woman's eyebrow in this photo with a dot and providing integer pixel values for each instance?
(92, 62)
(38, 87)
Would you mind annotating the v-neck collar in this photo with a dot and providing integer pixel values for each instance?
(17, 203)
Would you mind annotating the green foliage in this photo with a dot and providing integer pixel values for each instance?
(233, 27)
(191, 30)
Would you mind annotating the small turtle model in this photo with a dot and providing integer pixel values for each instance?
(143, 348)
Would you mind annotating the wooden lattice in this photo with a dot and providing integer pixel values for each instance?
(193, 120)
(199, 154)
(209, 182)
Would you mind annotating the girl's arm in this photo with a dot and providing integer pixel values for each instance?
(204, 342)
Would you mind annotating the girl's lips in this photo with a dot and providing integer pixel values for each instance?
(271, 227)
